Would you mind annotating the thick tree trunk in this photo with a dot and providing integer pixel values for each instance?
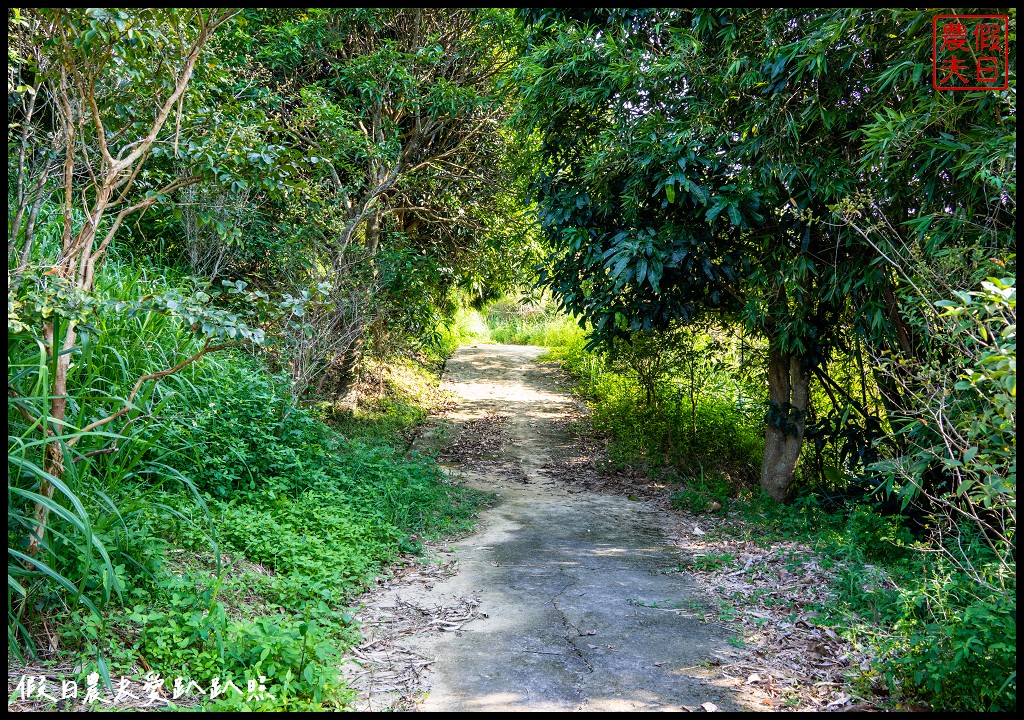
(788, 393)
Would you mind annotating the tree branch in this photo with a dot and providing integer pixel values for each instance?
(13, 394)
(207, 348)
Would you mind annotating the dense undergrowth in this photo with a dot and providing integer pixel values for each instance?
(230, 531)
(941, 632)
(939, 621)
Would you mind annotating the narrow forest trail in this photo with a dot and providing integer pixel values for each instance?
(559, 600)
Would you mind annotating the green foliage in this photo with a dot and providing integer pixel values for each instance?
(955, 640)
(716, 429)
(794, 166)
(90, 550)
(711, 162)
(970, 428)
(410, 184)
(942, 626)
(338, 508)
(693, 501)
(192, 637)
(954, 646)
(466, 326)
(662, 198)
(787, 176)
(702, 494)
(526, 322)
(215, 457)
(392, 399)
(856, 532)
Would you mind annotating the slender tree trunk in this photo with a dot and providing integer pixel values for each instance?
(788, 393)
(30, 227)
(349, 369)
(113, 174)
(693, 398)
(350, 364)
(53, 458)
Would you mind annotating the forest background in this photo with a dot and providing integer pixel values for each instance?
(241, 244)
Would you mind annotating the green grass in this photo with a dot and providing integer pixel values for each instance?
(548, 332)
(231, 529)
(467, 326)
(714, 561)
(525, 322)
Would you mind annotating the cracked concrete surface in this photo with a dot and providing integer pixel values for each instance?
(580, 614)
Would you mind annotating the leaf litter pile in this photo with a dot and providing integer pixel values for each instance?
(475, 441)
(476, 445)
(769, 595)
(585, 467)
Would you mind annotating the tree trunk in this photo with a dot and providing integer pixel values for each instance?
(53, 458)
(372, 232)
(693, 397)
(30, 228)
(788, 393)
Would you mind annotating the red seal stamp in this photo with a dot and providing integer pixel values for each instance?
(971, 52)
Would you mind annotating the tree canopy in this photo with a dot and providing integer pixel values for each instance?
(789, 167)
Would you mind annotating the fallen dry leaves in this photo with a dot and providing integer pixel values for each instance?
(768, 595)
(384, 674)
(475, 441)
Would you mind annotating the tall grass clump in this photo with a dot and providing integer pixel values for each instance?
(91, 552)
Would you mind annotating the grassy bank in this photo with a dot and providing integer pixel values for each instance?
(231, 529)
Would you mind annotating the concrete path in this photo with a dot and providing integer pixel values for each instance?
(578, 613)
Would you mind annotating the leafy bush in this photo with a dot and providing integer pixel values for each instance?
(187, 633)
(955, 645)
(969, 400)
(703, 493)
(391, 401)
(938, 635)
